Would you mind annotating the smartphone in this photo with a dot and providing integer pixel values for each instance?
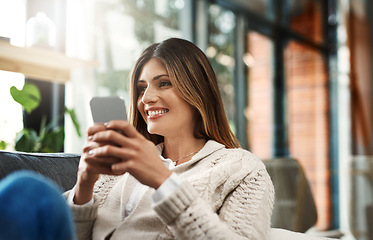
(105, 109)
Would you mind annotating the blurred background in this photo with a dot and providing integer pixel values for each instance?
(295, 77)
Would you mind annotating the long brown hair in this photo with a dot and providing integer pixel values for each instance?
(193, 77)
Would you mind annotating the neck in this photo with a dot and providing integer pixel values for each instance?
(181, 149)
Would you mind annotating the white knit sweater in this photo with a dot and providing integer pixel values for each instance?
(225, 194)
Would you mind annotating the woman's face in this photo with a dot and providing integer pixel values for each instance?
(160, 104)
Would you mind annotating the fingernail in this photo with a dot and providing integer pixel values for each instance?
(106, 124)
(90, 137)
(91, 152)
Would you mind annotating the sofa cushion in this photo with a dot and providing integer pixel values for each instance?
(294, 207)
(283, 234)
(60, 167)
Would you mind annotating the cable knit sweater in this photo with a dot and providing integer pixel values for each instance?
(225, 194)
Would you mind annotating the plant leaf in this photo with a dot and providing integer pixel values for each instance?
(29, 97)
(53, 140)
(43, 127)
(74, 118)
(27, 141)
(3, 145)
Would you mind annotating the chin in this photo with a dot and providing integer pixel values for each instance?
(153, 130)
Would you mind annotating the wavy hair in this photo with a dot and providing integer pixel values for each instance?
(192, 75)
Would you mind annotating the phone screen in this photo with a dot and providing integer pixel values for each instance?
(105, 109)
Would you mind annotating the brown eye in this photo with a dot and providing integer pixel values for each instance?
(165, 84)
(140, 89)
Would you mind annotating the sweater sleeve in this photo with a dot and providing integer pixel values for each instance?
(245, 213)
(84, 217)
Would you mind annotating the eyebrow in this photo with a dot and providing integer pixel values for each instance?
(155, 78)
(159, 76)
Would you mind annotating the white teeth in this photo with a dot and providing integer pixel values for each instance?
(153, 113)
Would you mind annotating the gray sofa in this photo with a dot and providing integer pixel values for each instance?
(294, 206)
(59, 167)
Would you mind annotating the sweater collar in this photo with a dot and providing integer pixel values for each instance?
(210, 147)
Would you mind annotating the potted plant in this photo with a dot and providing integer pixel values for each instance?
(51, 136)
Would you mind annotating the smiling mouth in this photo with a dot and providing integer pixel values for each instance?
(158, 112)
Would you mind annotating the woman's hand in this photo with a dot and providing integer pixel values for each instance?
(111, 152)
(90, 169)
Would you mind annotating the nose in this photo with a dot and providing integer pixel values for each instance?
(149, 96)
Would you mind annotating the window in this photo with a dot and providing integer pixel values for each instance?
(114, 33)
(259, 110)
(308, 120)
(12, 28)
(122, 30)
(221, 54)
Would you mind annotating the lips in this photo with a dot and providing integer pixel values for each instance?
(153, 113)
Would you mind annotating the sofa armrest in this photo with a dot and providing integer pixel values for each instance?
(59, 167)
(283, 234)
(294, 207)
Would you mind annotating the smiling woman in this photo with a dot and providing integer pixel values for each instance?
(176, 166)
(163, 109)
(185, 75)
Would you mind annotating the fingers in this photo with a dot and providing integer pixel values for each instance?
(107, 151)
(91, 143)
(100, 139)
(91, 164)
(112, 156)
(95, 128)
(110, 137)
(91, 167)
(118, 133)
(105, 160)
(109, 154)
(128, 152)
(112, 133)
(124, 126)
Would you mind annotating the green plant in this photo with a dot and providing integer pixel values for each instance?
(2, 145)
(51, 136)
